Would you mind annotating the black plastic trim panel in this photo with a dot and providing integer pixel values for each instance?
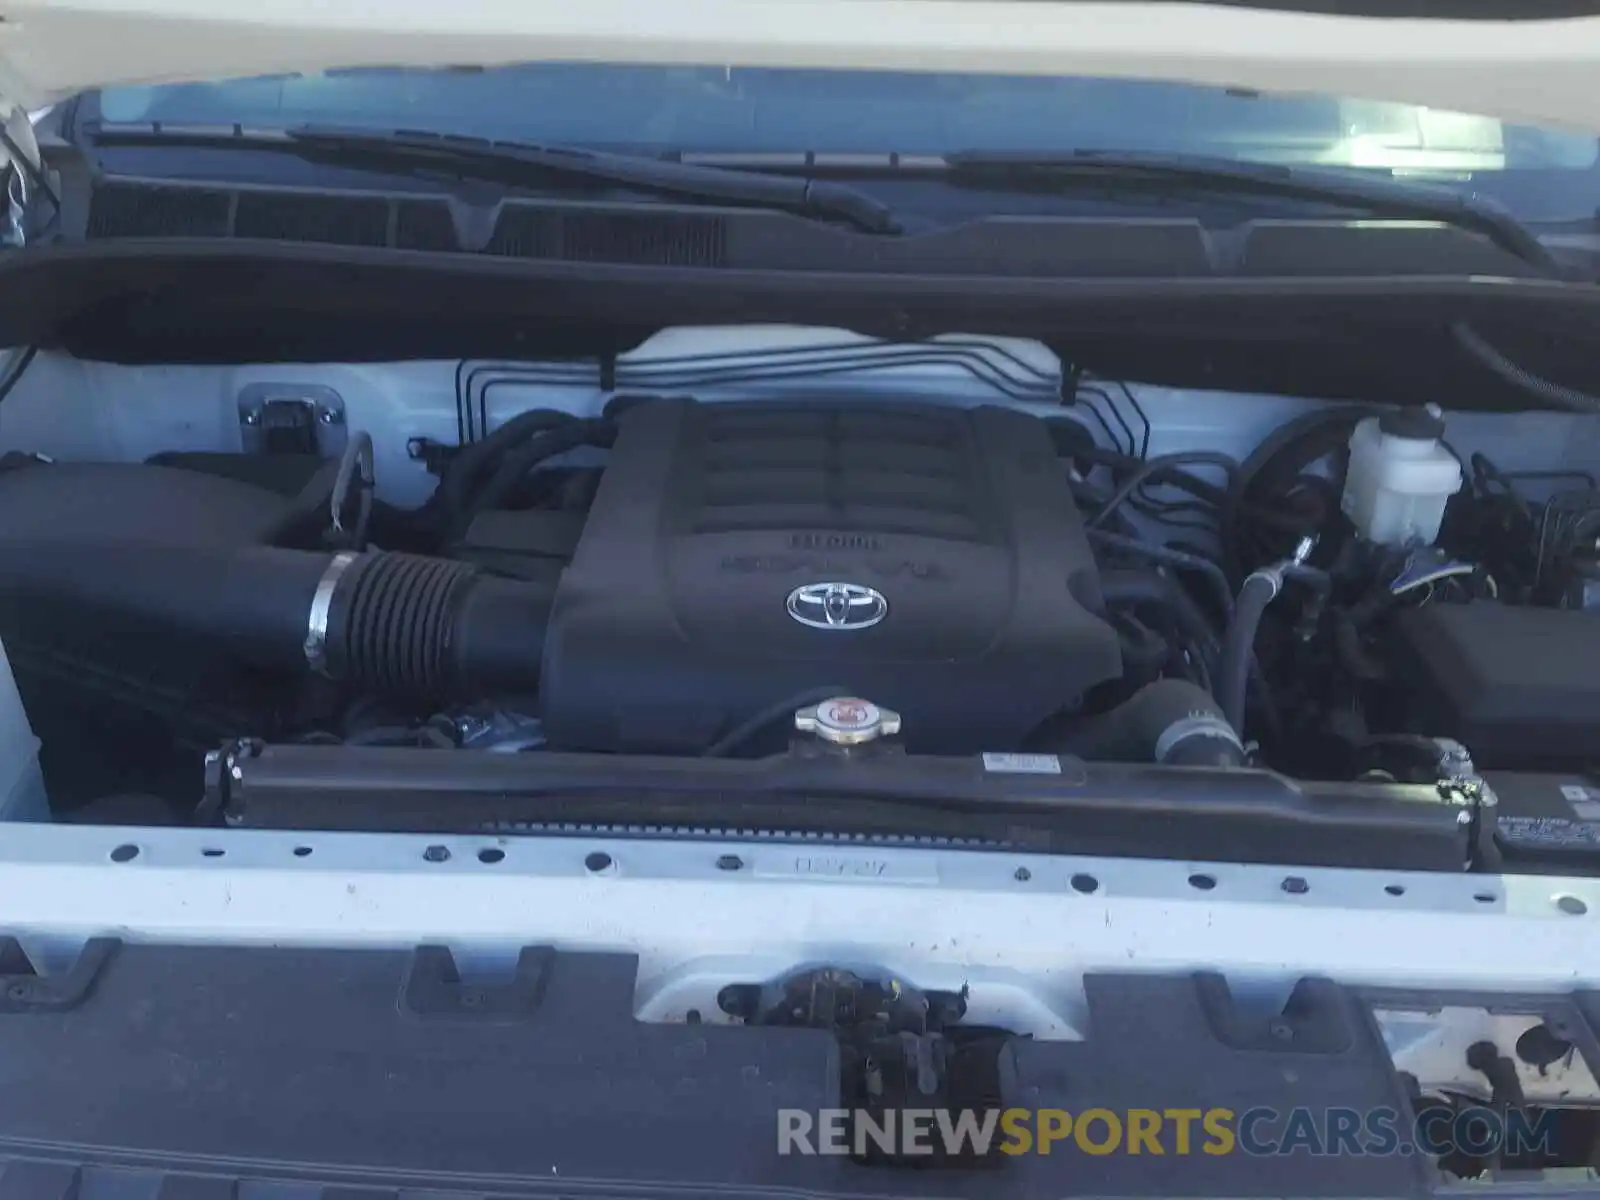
(195, 1071)
(659, 234)
(1089, 808)
(1381, 337)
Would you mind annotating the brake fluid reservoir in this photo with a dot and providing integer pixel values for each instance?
(1400, 477)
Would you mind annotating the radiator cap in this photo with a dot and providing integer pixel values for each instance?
(847, 721)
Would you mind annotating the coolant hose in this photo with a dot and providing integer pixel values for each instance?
(397, 623)
(1239, 640)
(1170, 721)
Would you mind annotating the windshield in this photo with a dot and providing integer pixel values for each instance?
(1540, 173)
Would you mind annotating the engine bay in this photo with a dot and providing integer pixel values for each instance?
(974, 555)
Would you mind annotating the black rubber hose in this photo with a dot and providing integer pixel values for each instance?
(1136, 589)
(769, 716)
(1313, 434)
(16, 367)
(1120, 464)
(1171, 557)
(518, 462)
(1170, 721)
(1144, 651)
(1238, 644)
(1154, 469)
(470, 461)
(1552, 393)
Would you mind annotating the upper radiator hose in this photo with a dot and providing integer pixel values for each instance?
(1170, 721)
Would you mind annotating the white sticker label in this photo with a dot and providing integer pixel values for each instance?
(849, 868)
(1577, 793)
(1022, 764)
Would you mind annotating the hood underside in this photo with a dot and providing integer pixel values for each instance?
(1539, 71)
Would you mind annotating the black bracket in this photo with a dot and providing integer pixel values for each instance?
(434, 456)
(434, 987)
(24, 989)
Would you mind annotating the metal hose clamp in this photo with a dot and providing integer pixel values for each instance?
(1196, 724)
(316, 646)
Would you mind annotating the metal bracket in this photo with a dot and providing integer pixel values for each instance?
(1461, 784)
(15, 233)
(223, 774)
(19, 176)
(355, 468)
(292, 412)
(1459, 777)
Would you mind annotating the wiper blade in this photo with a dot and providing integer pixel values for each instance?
(521, 164)
(1376, 195)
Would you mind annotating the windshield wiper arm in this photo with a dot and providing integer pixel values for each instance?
(522, 164)
(1374, 194)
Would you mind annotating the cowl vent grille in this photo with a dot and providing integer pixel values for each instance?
(337, 220)
(649, 238)
(524, 229)
(119, 211)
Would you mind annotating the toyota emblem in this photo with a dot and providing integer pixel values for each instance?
(842, 606)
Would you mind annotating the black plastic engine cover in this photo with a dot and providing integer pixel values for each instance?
(673, 622)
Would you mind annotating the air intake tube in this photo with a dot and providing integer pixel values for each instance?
(396, 623)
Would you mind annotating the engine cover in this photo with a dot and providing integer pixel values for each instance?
(928, 558)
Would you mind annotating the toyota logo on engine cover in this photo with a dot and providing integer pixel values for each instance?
(837, 606)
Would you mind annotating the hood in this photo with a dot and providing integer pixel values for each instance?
(1533, 71)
